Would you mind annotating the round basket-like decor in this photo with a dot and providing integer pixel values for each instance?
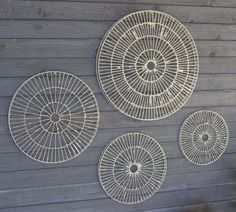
(132, 168)
(53, 117)
(203, 137)
(147, 65)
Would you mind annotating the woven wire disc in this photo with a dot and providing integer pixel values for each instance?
(203, 137)
(147, 65)
(132, 168)
(53, 117)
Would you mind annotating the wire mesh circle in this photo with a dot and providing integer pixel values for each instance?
(132, 168)
(147, 65)
(53, 117)
(203, 137)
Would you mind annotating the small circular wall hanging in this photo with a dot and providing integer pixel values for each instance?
(203, 137)
(53, 117)
(147, 65)
(132, 168)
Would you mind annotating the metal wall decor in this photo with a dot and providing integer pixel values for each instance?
(147, 65)
(203, 137)
(53, 117)
(132, 168)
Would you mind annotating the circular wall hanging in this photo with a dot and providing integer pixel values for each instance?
(147, 65)
(132, 168)
(203, 137)
(53, 117)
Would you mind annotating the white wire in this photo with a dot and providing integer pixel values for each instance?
(53, 117)
(132, 168)
(203, 137)
(147, 65)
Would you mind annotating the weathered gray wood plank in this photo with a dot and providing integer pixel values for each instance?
(122, 121)
(167, 136)
(108, 118)
(217, 3)
(220, 206)
(95, 29)
(217, 65)
(171, 149)
(158, 200)
(216, 48)
(194, 196)
(88, 174)
(202, 99)
(54, 29)
(216, 82)
(93, 190)
(27, 67)
(211, 98)
(210, 82)
(47, 48)
(102, 11)
(18, 161)
(51, 48)
(212, 31)
(64, 35)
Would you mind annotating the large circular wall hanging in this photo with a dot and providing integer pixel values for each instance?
(132, 168)
(53, 117)
(203, 137)
(147, 65)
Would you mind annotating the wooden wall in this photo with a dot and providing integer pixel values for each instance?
(64, 35)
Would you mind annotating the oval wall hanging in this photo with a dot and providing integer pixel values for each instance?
(147, 65)
(132, 168)
(203, 137)
(53, 117)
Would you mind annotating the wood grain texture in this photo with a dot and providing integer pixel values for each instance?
(217, 3)
(66, 48)
(206, 82)
(214, 206)
(157, 201)
(73, 207)
(61, 35)
(27, 67)
(95, 29)
(64, 10)
(107, 118)
(93, 190)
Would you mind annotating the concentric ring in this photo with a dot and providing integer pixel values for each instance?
(147, 65)
(132, 168)
(203, 137)
(53, 117)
